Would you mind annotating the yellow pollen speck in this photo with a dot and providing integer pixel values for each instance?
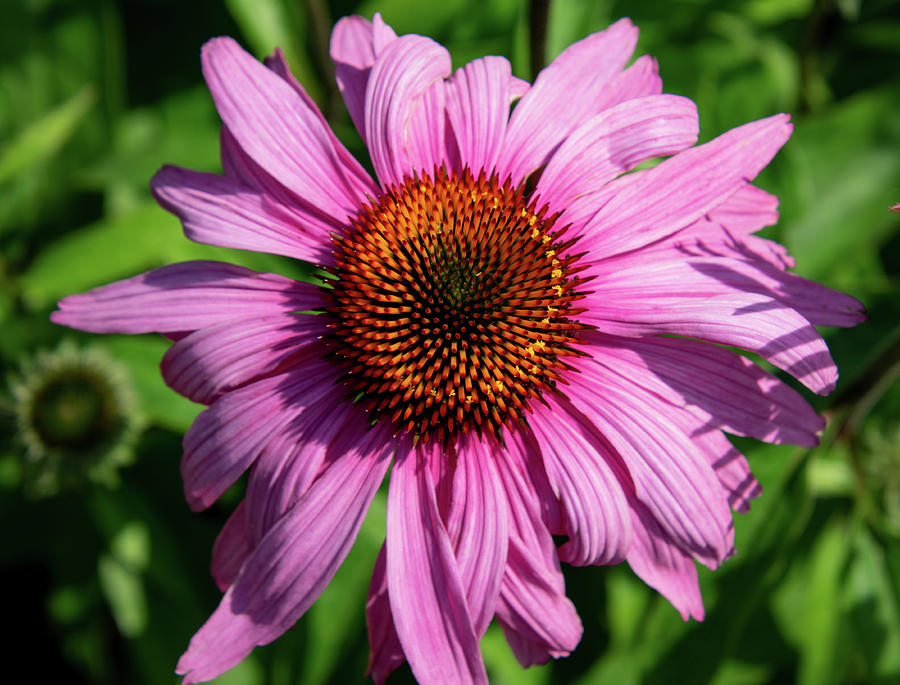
(556, 273)
(532, 221)
(524, 212)
(558, 289)
(545, 320)
(555, 262)
(546, 238)
(499, 386)
(433, 392)
(495, 203)
(452, 393)
(549, 253)
(551, 310)
(534, 233)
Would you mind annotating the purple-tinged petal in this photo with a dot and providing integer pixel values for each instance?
(652, 204)
(669, 297)
(278, 64)
(477, 526)
(404, 108)
(225, 356)
(184, 297)
(705, 237)
(221, 211)
(227, 437)
(231, 549)
(663, 566)
(638, 80)
(566, 93)
(748, 210)
(677, 485)
(538, 619)
(385, 651)
(355, 44)
(478, 97)
(722, 389)
(588, 479)
(611, 143)
(427, 597)
(729, 265)
(277, 128)
(731, 468)
(290, 463)
(296, 560)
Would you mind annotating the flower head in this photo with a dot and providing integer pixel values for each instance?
(528, 328)
(76, 417)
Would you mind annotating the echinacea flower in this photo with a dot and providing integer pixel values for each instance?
(535, 338)
(76, 418)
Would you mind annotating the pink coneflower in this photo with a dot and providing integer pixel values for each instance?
(532, 336)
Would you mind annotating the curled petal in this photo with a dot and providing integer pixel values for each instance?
(538, 619)
(355, 44)
(611, 143)
(477, 526)
(589, 480)
(426, 593)
(404, 115)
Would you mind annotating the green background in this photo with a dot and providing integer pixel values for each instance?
(106, 584)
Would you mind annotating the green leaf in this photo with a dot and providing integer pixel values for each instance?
(124, 246)
(43, 138)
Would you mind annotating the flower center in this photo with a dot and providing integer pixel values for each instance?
(451, 307)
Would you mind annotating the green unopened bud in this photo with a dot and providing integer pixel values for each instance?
(77, 418)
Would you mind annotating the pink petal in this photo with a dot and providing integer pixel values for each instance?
(231, 549)
(663, 566)
(355, 44)
(568, 92)
(731, 468)
(611, 143)
(385, 652)
(588, 482)
(538, 619)
(708, 238)
(225, 356)
(221, 211)
(277, 128)
(427, 597)
(677, 485)
(748, 210)
(228, 436)
(477, 527)
(729, 264)
(404, 108)
(184, 297)
(638, 80)
(293, 459)
(668, 297)
(295, 561)
(722, 389)
(652, 204)
(478, 97)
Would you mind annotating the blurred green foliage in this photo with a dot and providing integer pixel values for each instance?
(109, 584)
